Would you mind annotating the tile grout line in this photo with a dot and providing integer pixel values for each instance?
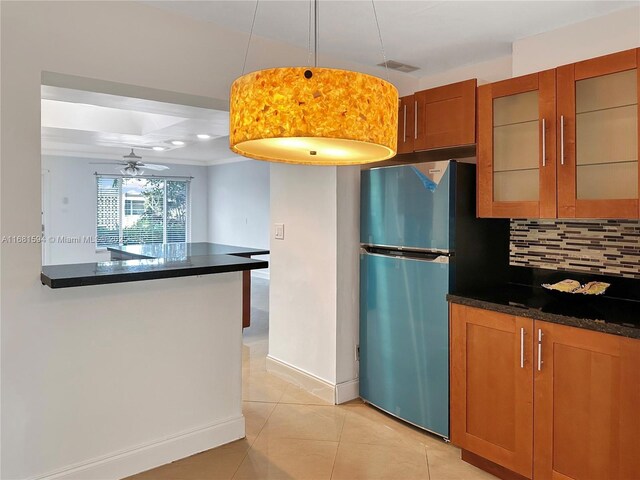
(246, 454)
(241, 462)
(426, 455)
(333, 467)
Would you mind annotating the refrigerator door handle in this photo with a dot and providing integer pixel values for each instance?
(443, 259)
(394, 248)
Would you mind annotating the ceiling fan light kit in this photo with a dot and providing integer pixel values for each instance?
(312, 115)
(132, 171)
(133, 166)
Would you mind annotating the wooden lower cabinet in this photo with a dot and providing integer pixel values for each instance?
(566, 408)
(586, 405)
(492, 387)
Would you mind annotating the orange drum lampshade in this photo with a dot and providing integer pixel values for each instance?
(313, 116)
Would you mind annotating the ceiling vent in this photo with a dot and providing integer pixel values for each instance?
(401, 67)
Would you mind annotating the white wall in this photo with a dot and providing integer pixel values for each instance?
(610, 33)
(348, 273)
(591, 38)
(121, 370)
(239, 205)
(71, 205)
(486, 72)
(314, 297)
(134, 44)
(303, 286)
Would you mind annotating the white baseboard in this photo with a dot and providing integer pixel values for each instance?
(145, 457)
(305, 380)
(347, 391)
(260, 274)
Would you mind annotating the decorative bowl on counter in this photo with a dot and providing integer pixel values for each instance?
(572, 287)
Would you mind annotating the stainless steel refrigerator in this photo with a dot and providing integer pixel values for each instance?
(419, 240)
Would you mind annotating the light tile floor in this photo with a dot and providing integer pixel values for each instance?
(292, 434)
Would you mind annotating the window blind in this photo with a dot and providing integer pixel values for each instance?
(108, 211)
(141, 210)
(176, 211)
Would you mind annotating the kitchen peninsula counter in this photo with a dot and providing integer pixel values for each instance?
(132, 263)
(145, 268)
(154, 356)
(178, 251)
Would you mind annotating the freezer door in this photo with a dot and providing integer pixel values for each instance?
(404, 339)
(407, 206)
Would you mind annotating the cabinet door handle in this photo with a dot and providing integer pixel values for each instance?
(415, 119)
(540, 349)
(404, 124)
(522, 333)
(544, 143)
(561, 139)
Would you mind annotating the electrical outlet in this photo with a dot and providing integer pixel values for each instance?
(279, 231)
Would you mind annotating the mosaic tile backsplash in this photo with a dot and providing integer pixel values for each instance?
(606, 247)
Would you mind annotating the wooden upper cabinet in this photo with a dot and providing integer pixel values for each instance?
(406, 124)
(587, 393)
(446, 116)
(598, 146)
(492, 386)
(516, 147)
(438, 118)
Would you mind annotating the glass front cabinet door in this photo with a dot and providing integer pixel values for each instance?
(597, 115)
(516, 147)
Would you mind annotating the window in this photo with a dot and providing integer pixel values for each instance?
(141, 210)
(133, 206)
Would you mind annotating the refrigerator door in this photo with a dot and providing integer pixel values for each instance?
(404, 339)
(408, 206)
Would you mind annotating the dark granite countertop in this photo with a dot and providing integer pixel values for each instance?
(617, 312)
(77, 275)
(177, 251)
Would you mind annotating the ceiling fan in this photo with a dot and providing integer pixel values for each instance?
(133, 165)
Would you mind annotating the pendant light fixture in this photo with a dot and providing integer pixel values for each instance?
(312, 115)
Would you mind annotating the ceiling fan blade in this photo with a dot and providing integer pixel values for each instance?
(153, 166)
(106, 163)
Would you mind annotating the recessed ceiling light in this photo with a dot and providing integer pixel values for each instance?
(159, 149)
(177, 143)
(204, 136)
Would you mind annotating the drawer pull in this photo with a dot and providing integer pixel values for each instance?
(561, 139)
(540, 349)
(415, 119)
(522, 332)
(404, 135)
(544, 143)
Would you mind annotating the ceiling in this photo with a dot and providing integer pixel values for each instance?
(432, 35)
(97, 125)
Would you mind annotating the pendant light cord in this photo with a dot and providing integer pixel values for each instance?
(309, 52)
(315, 32)
(316, 9)
(253, 22)
(384, 56)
